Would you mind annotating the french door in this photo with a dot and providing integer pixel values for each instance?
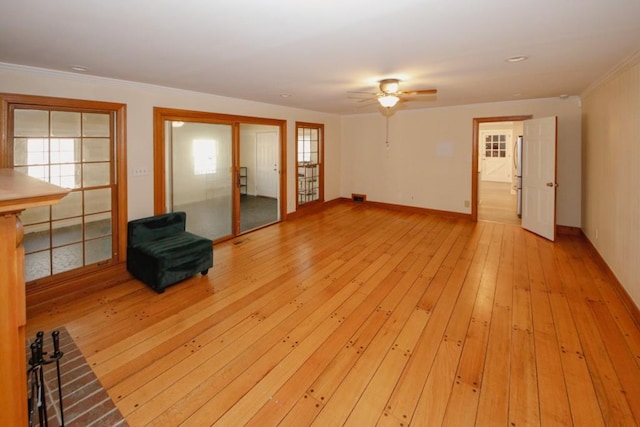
(309, 163)
(71, 144)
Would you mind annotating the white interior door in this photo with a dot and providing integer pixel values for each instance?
(267, 156)
(539, 176)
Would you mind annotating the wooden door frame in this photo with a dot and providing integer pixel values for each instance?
(474, 154)
(69, 280)
(161, 114)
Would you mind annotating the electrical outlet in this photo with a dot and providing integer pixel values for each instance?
(466, 203)
(140, 171)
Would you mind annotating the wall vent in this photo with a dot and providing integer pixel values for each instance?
(359, 198)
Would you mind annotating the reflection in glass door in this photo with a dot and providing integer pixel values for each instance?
(199, 176)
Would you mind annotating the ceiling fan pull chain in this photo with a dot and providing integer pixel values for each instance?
(387, 117)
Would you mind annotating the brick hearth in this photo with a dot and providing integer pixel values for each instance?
(85, 401)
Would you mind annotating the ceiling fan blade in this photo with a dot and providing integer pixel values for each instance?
(368, 100)
(420, 92)
(362, 92)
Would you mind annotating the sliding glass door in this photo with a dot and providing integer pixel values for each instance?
(199, 176)
(224, 171)
(259, 177)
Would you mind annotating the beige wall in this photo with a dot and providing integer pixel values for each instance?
(140, 100)
(611, 172)
(428, 162)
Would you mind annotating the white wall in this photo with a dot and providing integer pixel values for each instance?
(428, 162)
(611, 172)
(140, 100)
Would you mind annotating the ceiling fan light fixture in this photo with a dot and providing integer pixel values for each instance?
(389, 86)
(388, 101)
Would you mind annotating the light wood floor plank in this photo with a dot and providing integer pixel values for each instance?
(523, 386)
(552, 390)
(493, 404)
(203, 393)
(356, 315)
(372, 403)
(263, 391)
(610, 392)
(383, 327)
(431, 406)
(406, 394)
(602, 279)
(463, 401)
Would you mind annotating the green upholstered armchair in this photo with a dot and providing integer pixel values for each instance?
(161, 253)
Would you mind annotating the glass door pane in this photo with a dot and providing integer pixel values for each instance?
(309, 163)
(259, 178)
(72, 149)
(199, 176)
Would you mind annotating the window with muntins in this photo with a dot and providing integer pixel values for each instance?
(73, 149)
(309, 162)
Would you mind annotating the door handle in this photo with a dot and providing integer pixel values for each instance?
(551, 184)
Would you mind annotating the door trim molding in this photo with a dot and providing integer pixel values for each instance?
(474, 154)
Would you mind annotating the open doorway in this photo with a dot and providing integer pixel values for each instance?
(499, 169)
(495, 169)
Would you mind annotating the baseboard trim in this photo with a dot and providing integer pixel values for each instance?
(415, 209)
(565, 229)
(313, 208)
(86, 283)
(402, 208)
(627, 301)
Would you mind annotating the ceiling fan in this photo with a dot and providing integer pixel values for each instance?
(390, 92)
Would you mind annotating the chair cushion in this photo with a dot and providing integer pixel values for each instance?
(155, 227)
(172, 248)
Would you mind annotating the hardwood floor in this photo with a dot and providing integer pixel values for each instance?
(362, 316)
(496, 203)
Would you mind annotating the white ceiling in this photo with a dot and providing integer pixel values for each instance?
(317, 51)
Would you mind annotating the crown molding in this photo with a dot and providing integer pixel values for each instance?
(89, 78)
(624, 65)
